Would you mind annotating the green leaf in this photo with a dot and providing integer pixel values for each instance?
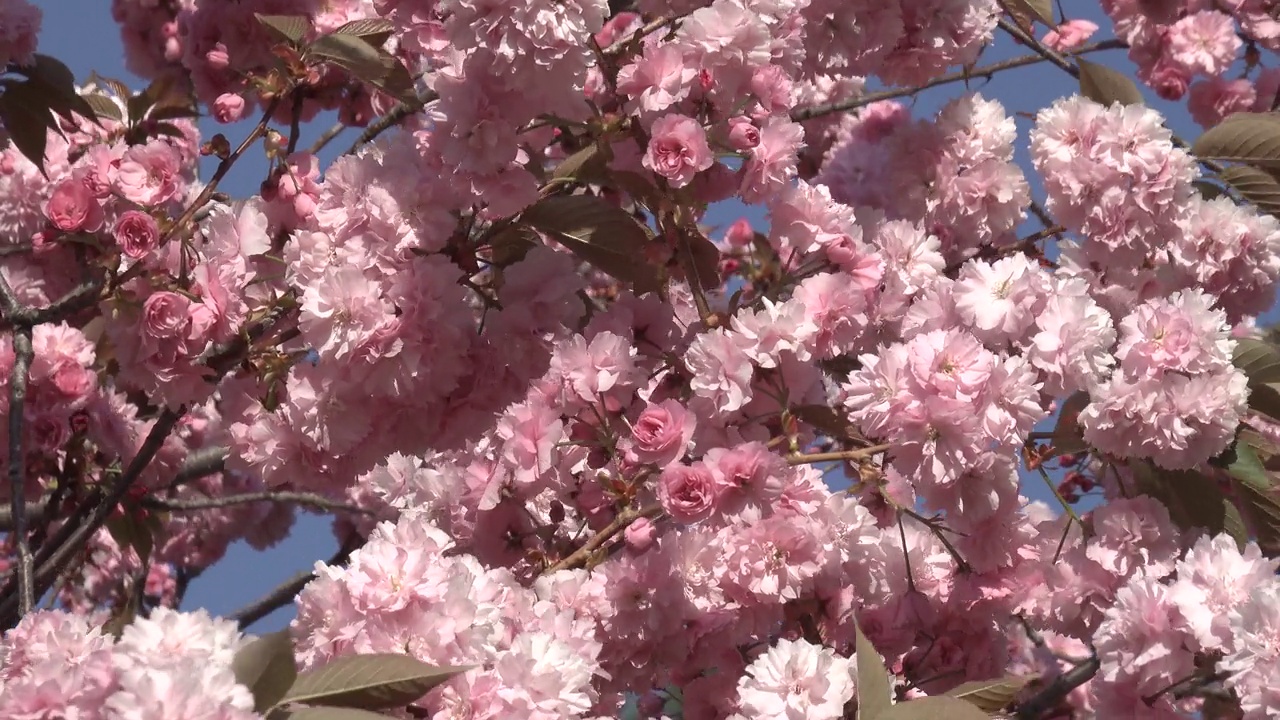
(990, 695)
(1255, 185)
(267, 668)
(938, 707)
(372, 682)
(122, 616)
(1195, 501)
(831, 423)
(120, 89)
(587, 165)
(57, 84)
(286, 28)
(510, 244)
(604, 235)
(27, 122)
(1258, 360)
(128, 532)
(374, 31)
(365, 62)
(1041, 10)
(1068, 436)
(875, 689)
(1250, 138)
(1103, 85)
(1208, 190)
(1257, 491)
(325, 713)
(104, 106)
(700, 260)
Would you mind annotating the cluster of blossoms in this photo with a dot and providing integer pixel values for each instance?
(168, 665)
(601, 495)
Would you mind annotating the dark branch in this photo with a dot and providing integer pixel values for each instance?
(1056, 691)
(283, 594)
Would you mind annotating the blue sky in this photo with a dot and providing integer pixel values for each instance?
(83, 35)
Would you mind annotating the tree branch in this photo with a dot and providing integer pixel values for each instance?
(393, 117)
(986, 71)
(1056, 691)
(23, 354)
(620, 523)
(859, 454)
(277, 496)
(284, 593)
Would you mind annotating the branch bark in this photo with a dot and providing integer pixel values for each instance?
(986, 71)
(284, 593)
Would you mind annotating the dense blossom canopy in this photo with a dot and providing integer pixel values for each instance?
(590, 457)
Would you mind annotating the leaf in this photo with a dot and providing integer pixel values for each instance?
(1103, 85)
(637, 186)
(120, 89)
(1251, 138)
(122, 616)
(990, 695)
(374, 31)
(1195, 501)
(372, 682)
(1208, 190)
(938, 707)
(1068, 436)
(827, 420)
(1257, 492)
(27, 123)
(104, 106)
(875, 690)
(599, 233)
(510, 244)
(587, 165)
(366, 63)
(700, 259)
(1255, 185)
(325, 713)
(128, 532)
(267, 668)
(288, 28)
(1258, 360)
(58, 85)
(172, 112)
(1041, 10)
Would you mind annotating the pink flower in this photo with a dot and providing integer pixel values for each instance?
(1070, 34)
(166, 315)
(1214, 99)
(228, 108)
(740, 234)
(72, 207)
(678, 149)
(688, 493)
(797, 679)
(662, 433)
(1204, 42)
(149, 174)
(136, 233)
(772, 163)
(658, 80)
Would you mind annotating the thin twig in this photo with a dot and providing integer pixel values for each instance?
(23, 354)
(620, 523)
(327, 137)
(276, 496)
(808, 113)
(393, 117)
(860, 454)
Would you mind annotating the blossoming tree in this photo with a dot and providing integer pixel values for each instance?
(576, 450)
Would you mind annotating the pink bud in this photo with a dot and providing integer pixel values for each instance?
(740, 234)
(640, 535)
(228, 108)
(217, 58)
(743, 134)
